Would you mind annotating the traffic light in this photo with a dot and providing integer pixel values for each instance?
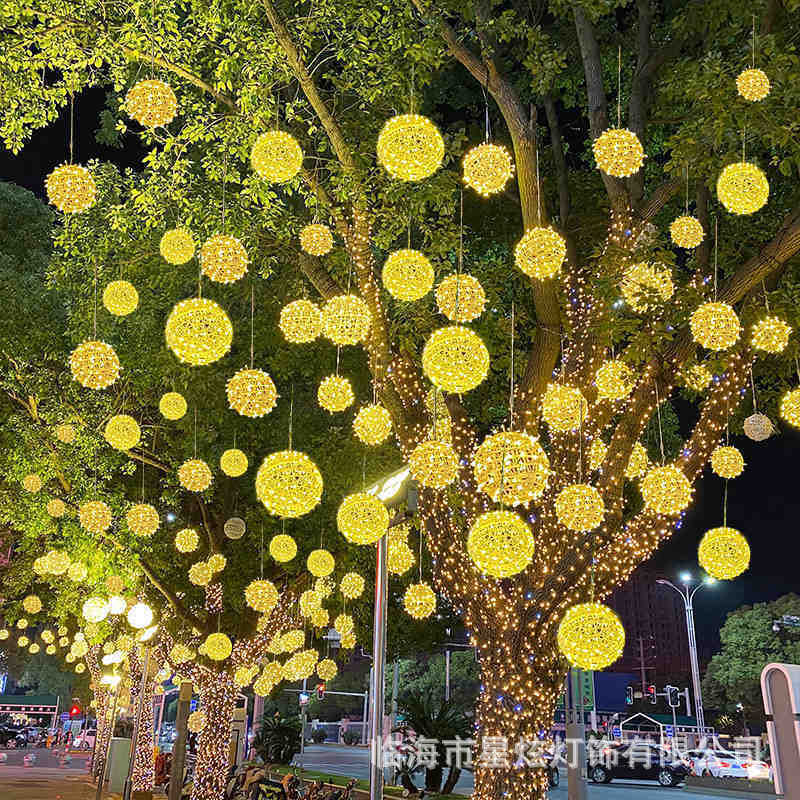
(651, 693)
(673, 696)
(75, 711)
(320, 691)
(629, 696)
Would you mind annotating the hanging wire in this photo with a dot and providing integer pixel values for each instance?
(486, 111)
(94, 324)
(71, 126)
(725, 506)
(252, 315)
(338, 353)
(753, 386)
(421, 536)
(261, 550)
(538, 188)
(195, 431)
(766, 295)
(224, 179)
(291, 415)
(744, 142)
(409, 229)
(687, 190)
(153, 39)
(511, 374)
(580, 442)
(754, 41)
(658, 412)
(619, 86)
(364, 470)
(460, 265)
(716, 253)
(411, 103)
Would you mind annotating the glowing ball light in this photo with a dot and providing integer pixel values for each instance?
(115, 584)
(742, 188)
(488, 168)
(196, 721)
(289, 483)
(540, 253)
(580, 507)
(697, 377)
(407, 275)
(234, 528)
(614, 380)
(251, 393)
(186, 540)
(644, 284)
(511, 467)
(637, 463)
(346, 319)
(790, 407)
(410, 147)
(216, 562)
(460, 298)
(4, 634)
(32, 483)
(283, 548)
(362, 518)
(95, 609)
(309, 602)
(455, 359)
(591, 636)
(372, 425)
(116, 605)
(151, 103)
(95, 516)
(233, 462)
(77, 571)
(22, 623)
(352, 585)
(752, 84)
(48, 637)
(23, 641)
(564, 408)
(261, 595)
(223, 259)
(122, 432)
(32, 604)
(618, 152)
(320, 618)
(758, 427)
(177, 246)
(419, 600)
(500, 543)
(324, 586)
(335, 393)
(301, 665)
(723, 553)
(715, 326)
(276, 156)
(597, 453)
(727, 462)
(94, 364)
(140, 615)
(58, 561)
(316, 240)
(666, 490)
(327, 669)
(770, 334)
(142, 519)
(399, 556)
(172, 405)
(120, 298)
(65, 433)
(243, 676)
(71, 188)
(686, 232)
(263, 684)
(344, 623)
(198, 331)
(194, 475)
(320, 563)
(434, 464)
(300, 322)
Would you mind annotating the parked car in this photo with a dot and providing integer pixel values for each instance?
(717, 763)
(84, 740)
(642, 760)
(12, 737)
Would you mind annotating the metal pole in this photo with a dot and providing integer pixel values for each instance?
(447, 675)
(576, 742)
(641, 664)
(126, 792)
(378, 673)
(365, 712)
(160, 720)
(695, 664)
(303, 727)
(101, 778)
(395, 677)
(179, 749)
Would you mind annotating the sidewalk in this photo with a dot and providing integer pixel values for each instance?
(44, 783)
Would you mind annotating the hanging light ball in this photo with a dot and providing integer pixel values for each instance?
(276, 156)
(301, 665)
(320, 563)
(637, 463)
(433, 464)
(196, 721)
(591, 636)
(419, 600)
(95, 516)
(177, 246)
(511, 467)
(352, 585)
(120, 298)
(22, 623)
(32, 483)
(263, 684)
(753, 84)
(488, 168)
(540, 253)
(233, 462)
(399, 556)
(122, 432)
(309, 602)
(181, 653)
(186, 540)
(410, 147)
(293, 640)
(283, 548)
(142, 519)
(151, 103)
(243, 676)
(666, 490)
(34, 649)
(727, 462)
(407, 275)
(115, 584)
(94, 364)
(697, 377)
(71, 188)
(300, 322)
(455, 359)
(251, 392)
(770, 334)
(51, 649)
(346, 319)
(194, 475)
(324, 586)
(65, 433)
(460, 298)
(58, 561)
(362, 518)
(261, 595)
(597, 453)
(117, 605)
(289, 483)
(715, 326)
(758, 427)
(316, 240)
(198, 331)
(217, 562)
(200, 573)
(56, 507)
(564, 408)
(372, 425)
(95, 609)
(223, 259)
(172, 405)
(4, 634)
(645, 285)
(614, 380)
(335, 393)
(686, 232)
(790, 407)
(618, 152)
(48, 637)
(234, 528)
(723, 553)
(580, 507)
(327, 669)
(742, 188)
(32, 604)
(500, 544)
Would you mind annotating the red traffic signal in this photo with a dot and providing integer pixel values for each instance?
(320, 691)
(75, 711)
(651, 694)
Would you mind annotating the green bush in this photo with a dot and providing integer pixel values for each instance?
(278, 739)
(318, 735)
(351, 737)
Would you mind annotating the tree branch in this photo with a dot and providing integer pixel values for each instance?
(170, 596)
(320, 279)
(557, 147)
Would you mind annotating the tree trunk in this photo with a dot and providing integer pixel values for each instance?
(103, 702)
(217, 701)
(144, 758)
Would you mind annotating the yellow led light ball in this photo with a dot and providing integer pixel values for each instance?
(23, 641)
(4, 634)
(335, 393)
(433, 464)
(591, 636)
(362, 518)
(460, 298)
(372, 424)
(324, 586)
(194, 475)
(500, 543)
(618, 152)
(742, 188)
(309, 602)
(637, 463)
(540, 253)
(48, 637)
(22, 623)
(69, 658)
(198, 331)
(715, 326)
(407, 275)
(666, 490)
(327, 669)
(758, 427)
(77, 571)
(34, 649)
(320, 563)
(614, 380)
(95, 516)
(410, 147)
(455, 359)
(300, 322)
(352, 585)
(120, 298)
(142, 519)
(95, 609)
(71, 188)
(344, 623)
(727, 462)
(697, 377)
(216, 562)
(752, 84)
(723, 553)
(580, 507)
(151, 103)
(243, 676)
(283, 548)
(186, 540)
(233, 462)
(58, 561)
(597, 453)
(399, 556)
(65, 433)
(94, 364)
(122, 432)
(264, 683)
(181, 653)
(200, 574)
(56, 507)
(320, 618)
(289, 483)
(488, 168)
(770, 334)
(51, 649)
(419, 601)
(346, 319)
(276, 156)
(316, 240)
(172, 405)
(261, 595)
(564, 408)
(790, 407)
(32, 483)
(177, 246)
(645, 285)
(196, 721)
(511, 467)
(32, 604)
(301, 665)
(223, 259)
(251, 392)
(686, 232)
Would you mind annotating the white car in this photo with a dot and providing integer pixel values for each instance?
(757, 770)
(719, 763)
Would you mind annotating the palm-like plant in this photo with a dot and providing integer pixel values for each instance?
(278, 739)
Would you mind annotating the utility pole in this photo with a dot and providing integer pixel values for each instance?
(641, 664)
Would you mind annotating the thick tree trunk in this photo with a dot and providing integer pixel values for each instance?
(217, 701)
(144, 757)
(103, 711)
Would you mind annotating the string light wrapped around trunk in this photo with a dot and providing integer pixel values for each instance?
(233, 462)
(687, 232)
(198, 331)
(142, 519)
(372, 425)
(316, 240)
(727, 462)
(564, 407)
(335, 393)
(770, 334)
(455, 359)
(407, 275)
(300, 322)
(289, 483)
(597, 453)
(614, 380)
(71, 188)
(753, 84)
(666, 490)
(460, 298)
(715, 326)
(362, 518)
(186, 540)
(742, 188)
(419, 601)
(579, 507)
(282, 548)
(500, 544)
(487, 168)
(346, 319)
(697, 377)
(223, 259)
(591, 636)
(540, 253)
(511, 467)
(177, 246)
(122, 432)
(434, 464)
(172, 405)
(645, 285)
(276, 156)
(410, 147)
(120, 298)
(151, 103)
(723, 553)
(94, 364)
(95, 516)
(618, 152)
(251, 392)
(195, 475)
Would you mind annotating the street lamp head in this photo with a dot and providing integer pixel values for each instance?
(109, 679)
(709, 581)
(776, 627)
(686, 577)
(140, 616)
(147, 634)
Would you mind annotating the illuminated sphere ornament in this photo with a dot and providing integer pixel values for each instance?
(223, 259)
(723, 553)
(58, 561)
(233, 462)
(511, 467)
(770, 334)
(488, 168)
(346, 319)
(32, 483)
(320, 618)
(32, 604)
(4, 634)
(94, 364)
(200, 574)
(261, 595)
(727, 462)
(34, 649)
(540, 253)
(115, 584)
(310, 601)
(433, 464)
(666, 490)
(71, 188)
(142, 519)
(172, 405)
(790, 407)
(48, 637)
(645, 285)
(686, 232)
(335, 393)
(362, 518)
(324, 587)
(460, 298)
(251, 392)
(327, 669)
(715, 326)
(407, 275)
(51, 649)
(320, 563)
(95, 516)
(276, 156)
(177, 246)
(344, 623)
(591, 636)
(500, 543)
(65, 433)
(300, 322)
(614, 380)
(234, 528)
(181, 653)
(372, 424)
(140, 616)
(23, 641)
(186, 540)
(95, 609)
(194, 475)
(742, 188)
(580, 507)
(564, 408)
(77, 571)
(597, 453)
(352, 585)
(419, 600)
(22, 623)
(116, 604)
(300, 665)
(752, 84)
(637, 463)
(289, 483)
(399, 556)
(410, 147)
(243, 676)
(196, 721)
(198, 331)
(758, 427)
(618, 152)
(122, 432)
(455, 359)
(151, 103)
(120, 298)
(283, 548)
(316, 240)
(216, 562)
